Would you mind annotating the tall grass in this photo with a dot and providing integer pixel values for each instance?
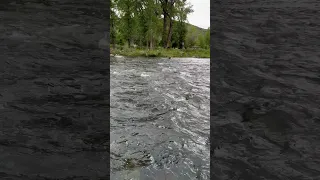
(161, 52)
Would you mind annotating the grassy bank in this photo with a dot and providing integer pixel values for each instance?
(160, 52)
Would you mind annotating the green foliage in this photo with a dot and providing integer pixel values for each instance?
(153, 23)
(197, 37)
(113, 23)
(179, 35)
(207, 37)
(162, 52)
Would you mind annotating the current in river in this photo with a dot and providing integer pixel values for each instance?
(160, 118)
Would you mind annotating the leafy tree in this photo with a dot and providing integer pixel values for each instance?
(191, 37)
(113, 22)
(207, 38)
(150, 23)
(152, 10)
(172, 10)
(126, 9)
(180, 28)
(201, 42)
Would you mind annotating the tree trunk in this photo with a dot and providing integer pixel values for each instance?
(151, 43)
(164, 31)
(112, 32)
(169, 34)
(128, 24)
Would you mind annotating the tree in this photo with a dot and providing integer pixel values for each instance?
(207, 37)
(113, 22)
(140, 21)
(152, 10)
(201, 41)
(172, 10)
(191, 37)
(126, 9)
(182, 10)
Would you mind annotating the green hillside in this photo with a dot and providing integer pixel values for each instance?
(195, 29)
(196, 36)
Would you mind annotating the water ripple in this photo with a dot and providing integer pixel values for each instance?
(160, 118)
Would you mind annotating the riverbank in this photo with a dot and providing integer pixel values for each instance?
(160, 52)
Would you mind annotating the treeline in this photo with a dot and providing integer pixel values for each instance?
(153, 23)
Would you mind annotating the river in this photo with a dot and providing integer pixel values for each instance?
(159, 126)
(265, 105)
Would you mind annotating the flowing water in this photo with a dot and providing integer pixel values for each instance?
(160, 118)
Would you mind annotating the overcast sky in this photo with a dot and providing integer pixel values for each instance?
(201, 15)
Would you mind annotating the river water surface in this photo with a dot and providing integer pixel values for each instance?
(160, 118)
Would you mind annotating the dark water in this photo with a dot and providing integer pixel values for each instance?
(54, 90)
(160, 118)
(265, 87)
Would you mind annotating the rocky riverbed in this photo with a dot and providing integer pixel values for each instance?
(265, 88)
(54, 89)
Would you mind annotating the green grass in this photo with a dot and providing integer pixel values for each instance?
(160, 52)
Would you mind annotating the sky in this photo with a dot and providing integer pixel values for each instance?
(201, 15)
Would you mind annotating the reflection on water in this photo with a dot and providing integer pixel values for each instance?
(160, 118)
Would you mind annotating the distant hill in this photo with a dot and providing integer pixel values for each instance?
(195, 29)
(193, 33)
